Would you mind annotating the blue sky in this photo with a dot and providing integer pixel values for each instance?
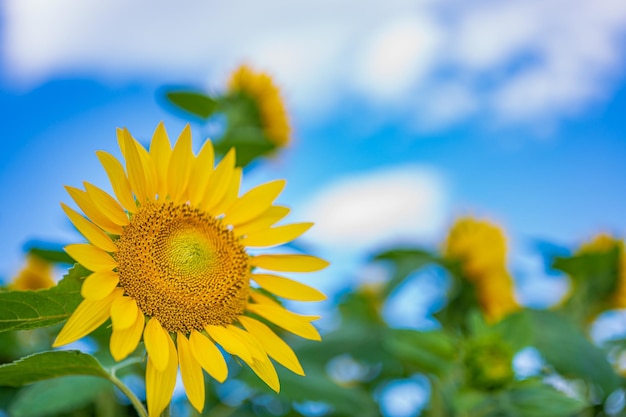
(405, 114)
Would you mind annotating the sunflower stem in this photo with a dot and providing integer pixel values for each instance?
(141, 410)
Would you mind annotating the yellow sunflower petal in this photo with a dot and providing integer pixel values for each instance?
(266, 371)
(191, 373)
(160, 383)
(287, 288)
(272, 344)
(91, 257)
(124, 341)
(289, 263)
(123, 312)
(208, 356)
(229, 341)
(107, 204)
(294, 323)
(99, 284)
(87, 317)
(271, 216)
(92, 212)
(93, 233)
(160, 151)
(156, 339)
(255, 348)
(231, 194)
(201, 173)
(119, 133)
(221, 179)
(255, 202)
(149, 168)
(135, 169)
(119, 182)
(180, 166)
(259, 298)
(275, 235)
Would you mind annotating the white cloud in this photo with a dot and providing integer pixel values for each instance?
(518, 60)
(446, 104)
(397, 57)
(574, 55)
(362, 212)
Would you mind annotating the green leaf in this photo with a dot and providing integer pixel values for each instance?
(595, 277)
(316, 386)
(249, 142)
(529, 398)
(565, 347)
(23, 310)
(198, 104)
(7, 394)
(364, 343)
(467, 402)
(430, 352)
(52, 255)
(533, 399)
(405, 260)
(48, 365)
(47, 398)
(516, 329)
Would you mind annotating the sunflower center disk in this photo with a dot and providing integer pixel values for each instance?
(183, 267)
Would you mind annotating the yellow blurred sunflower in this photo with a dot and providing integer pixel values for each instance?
(36, 275)
(259, 87)
(480, 246)
(169, 260)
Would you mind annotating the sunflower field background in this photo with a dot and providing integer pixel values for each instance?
(460, 168)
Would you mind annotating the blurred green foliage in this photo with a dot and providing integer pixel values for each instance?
(468, 361)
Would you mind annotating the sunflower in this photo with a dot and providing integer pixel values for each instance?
(36, 275)
(603, 243)
(479, 244)
(481, 248)
(260, 88)
(170, 264)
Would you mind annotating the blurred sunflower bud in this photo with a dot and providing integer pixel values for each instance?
(36, 275)
(257, 120)
(480, 248)
(259, 88)
(488, 363)
(598, 277)
(604, 243)
(249, 115)
(479, 245)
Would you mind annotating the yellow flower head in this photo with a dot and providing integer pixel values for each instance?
(480, 245)
(36, 275)
(496, 295)
(261, 89)
(171, 264)
(481, 248)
